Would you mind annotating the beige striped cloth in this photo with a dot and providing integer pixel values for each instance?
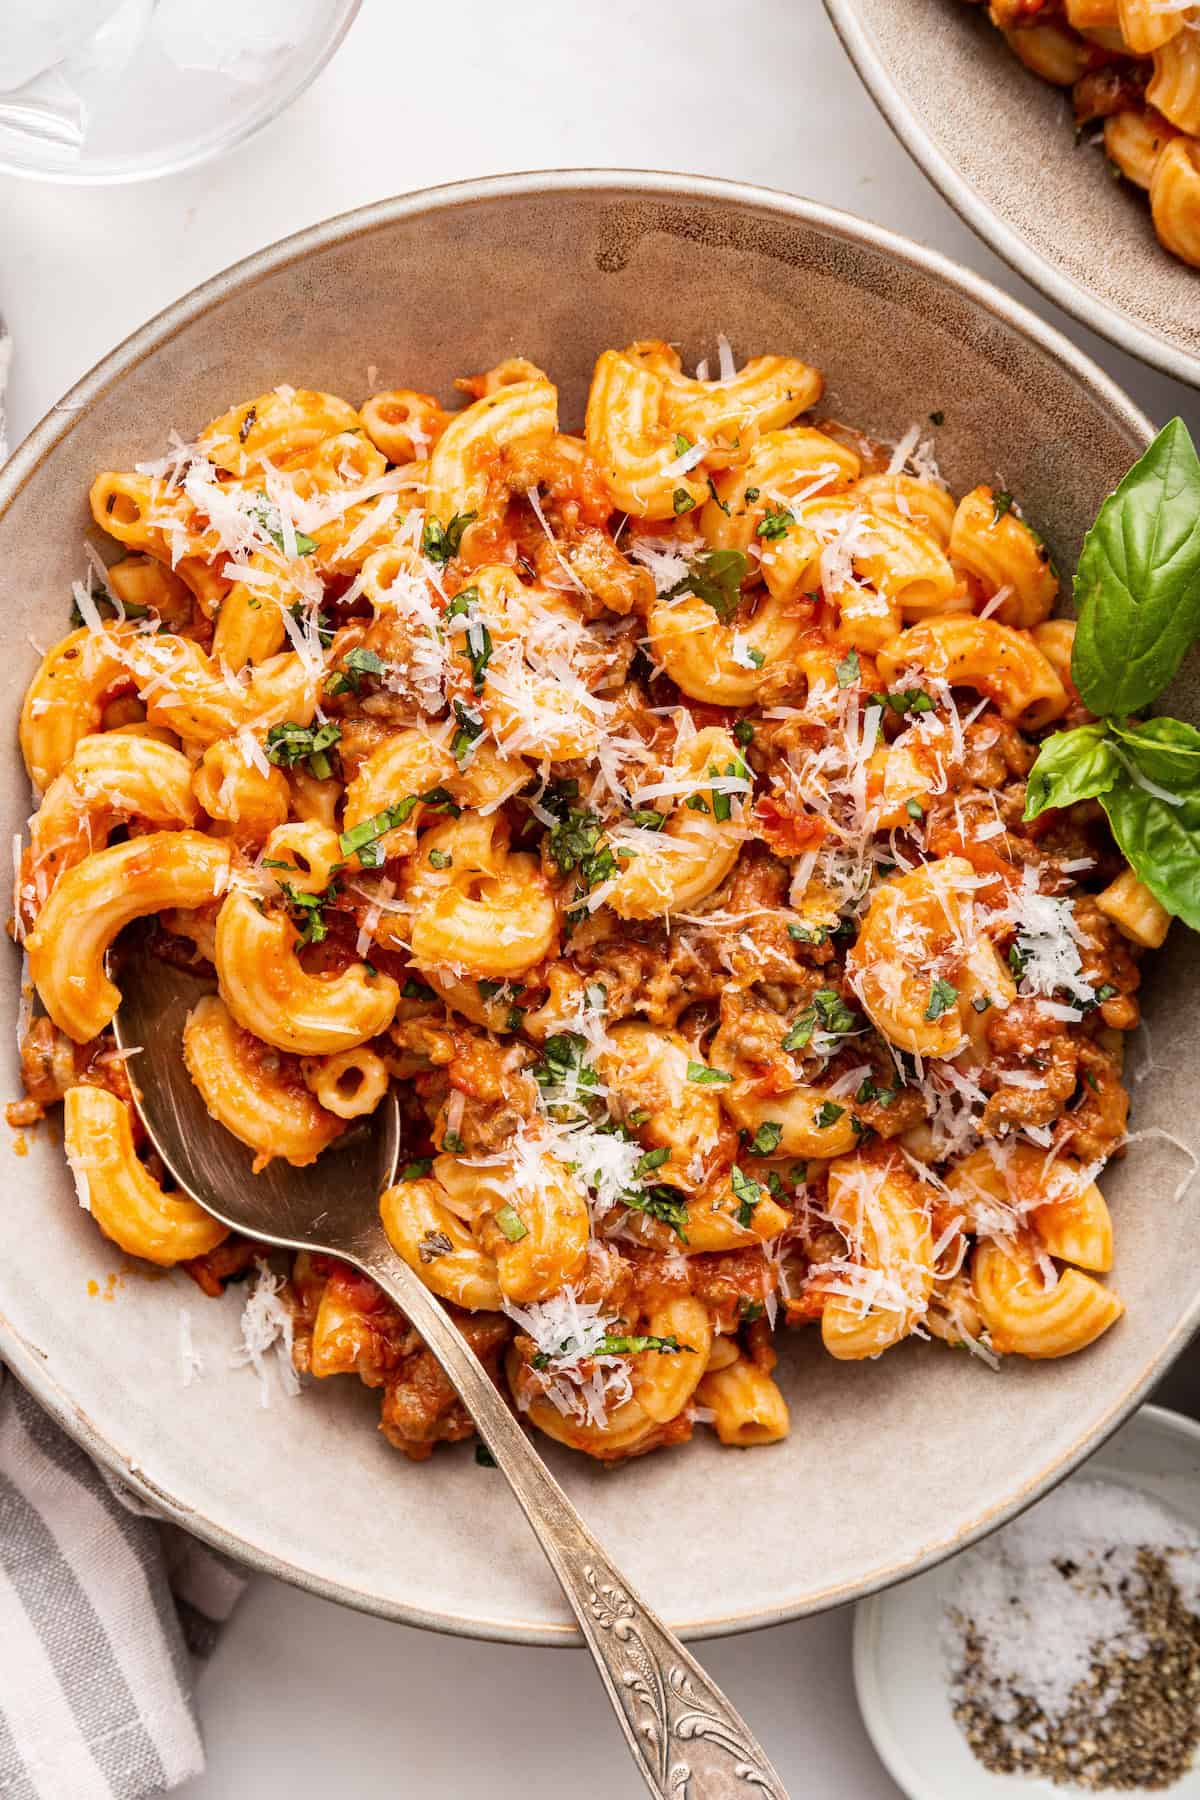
(104, 1609)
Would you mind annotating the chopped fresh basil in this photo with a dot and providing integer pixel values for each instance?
(511, 1224)
(308, 911)
(848, 670)
(774, 523)
(703, 1076)
(942, 996)
(827, 1011)
(905, 700)
(439, 543)
(470, 729)
(266, 514)
(716, 498)
(355, 664)
(563, 1063)
(747, 1193)
(809, 934)
(611, 1345)
(573, 838)
(766, 1139)
(653, 1159)
(290, 743)
(716, 577)
(666, 1204)
(363, 839)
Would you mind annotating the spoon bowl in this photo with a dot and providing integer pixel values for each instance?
(325, 1206)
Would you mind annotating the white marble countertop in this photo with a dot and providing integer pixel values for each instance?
(303, 1696)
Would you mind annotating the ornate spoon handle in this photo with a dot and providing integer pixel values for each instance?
(687, 1740)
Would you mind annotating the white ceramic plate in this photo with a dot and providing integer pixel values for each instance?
(898, 1669)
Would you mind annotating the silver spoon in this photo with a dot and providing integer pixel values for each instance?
(687, 1740)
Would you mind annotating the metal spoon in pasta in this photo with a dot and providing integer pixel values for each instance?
(684, 1735)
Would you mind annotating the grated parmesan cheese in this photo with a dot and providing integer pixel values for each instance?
(1048, 941)
(266, 1326)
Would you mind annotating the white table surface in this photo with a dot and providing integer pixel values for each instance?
(303, 1696)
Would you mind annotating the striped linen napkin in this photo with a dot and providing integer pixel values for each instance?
(104, 1610)
(103, 1607)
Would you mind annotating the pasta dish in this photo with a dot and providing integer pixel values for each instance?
(651, 809)
(1133, 68)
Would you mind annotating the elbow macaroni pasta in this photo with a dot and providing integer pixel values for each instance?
(641, 806)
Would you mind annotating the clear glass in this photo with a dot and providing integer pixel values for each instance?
(156, 117)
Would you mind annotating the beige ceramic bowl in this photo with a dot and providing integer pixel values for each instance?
(1000, 145)
(890, 1464)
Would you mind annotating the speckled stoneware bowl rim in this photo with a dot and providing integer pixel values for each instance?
(27, 1362)
(989, 224)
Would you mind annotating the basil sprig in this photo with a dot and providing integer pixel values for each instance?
(1137, 593)
(1137, 587)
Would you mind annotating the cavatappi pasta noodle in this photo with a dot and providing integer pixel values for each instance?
(646, 806)
(1133, 68)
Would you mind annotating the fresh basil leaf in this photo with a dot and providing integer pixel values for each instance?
(1161, 843)
(1071, 765)
(1165, 751)
(1137, 587)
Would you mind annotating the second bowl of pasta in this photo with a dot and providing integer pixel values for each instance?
(1068, 136)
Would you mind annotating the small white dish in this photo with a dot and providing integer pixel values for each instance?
(899, 1673)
